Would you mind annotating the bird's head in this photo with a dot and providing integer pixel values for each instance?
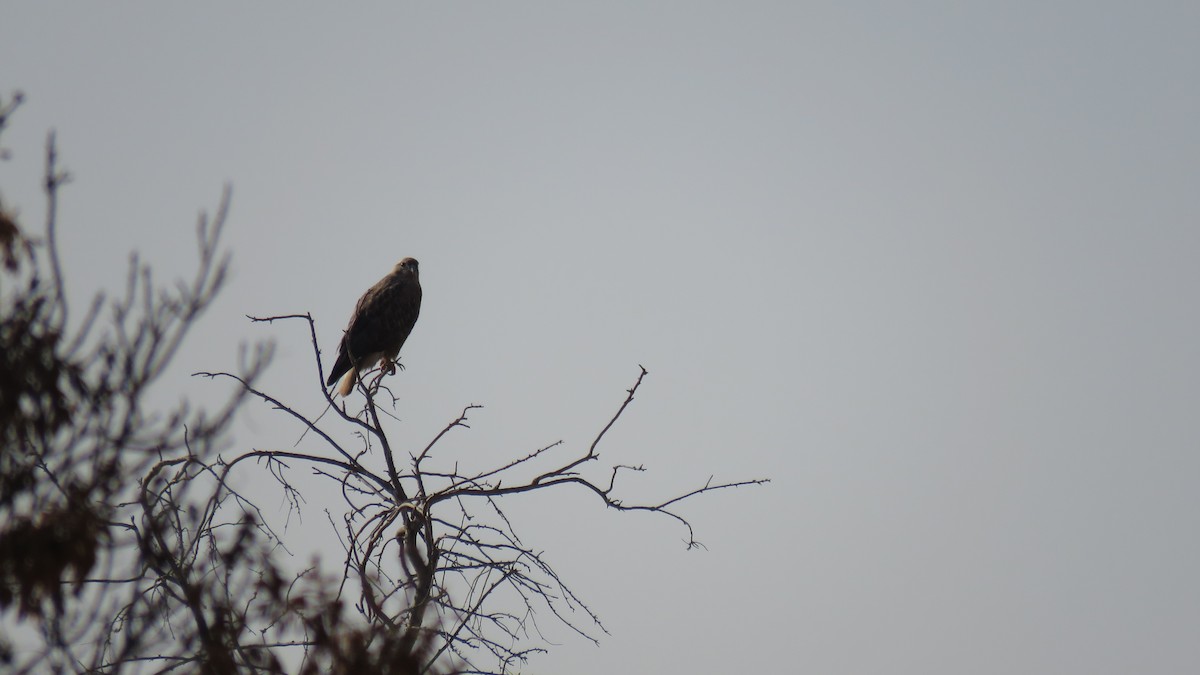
(406, 266)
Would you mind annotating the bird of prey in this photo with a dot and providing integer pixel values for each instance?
(382, 320)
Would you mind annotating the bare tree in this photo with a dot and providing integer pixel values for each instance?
(429, 550)
(179, 571)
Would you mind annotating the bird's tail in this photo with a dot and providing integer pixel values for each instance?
(347, 383)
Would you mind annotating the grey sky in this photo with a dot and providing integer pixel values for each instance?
(930, 267)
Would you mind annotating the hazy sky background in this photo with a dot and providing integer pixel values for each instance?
(930, 267)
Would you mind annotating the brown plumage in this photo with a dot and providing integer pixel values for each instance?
(382, 320)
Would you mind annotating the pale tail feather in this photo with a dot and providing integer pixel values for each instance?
(347, 383)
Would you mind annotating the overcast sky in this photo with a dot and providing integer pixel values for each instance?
(931, 267)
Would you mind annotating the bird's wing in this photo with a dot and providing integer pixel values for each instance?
(384, 318)
(382, 321)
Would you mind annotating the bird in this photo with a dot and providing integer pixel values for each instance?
(381, 322)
